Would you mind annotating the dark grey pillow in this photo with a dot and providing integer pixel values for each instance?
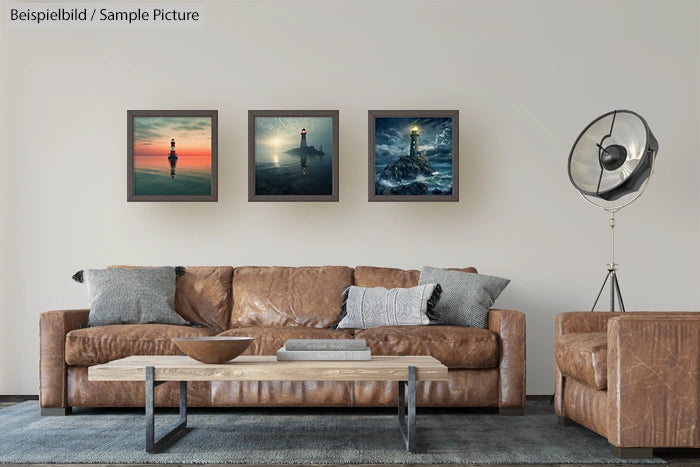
(131, 296)
(466, 296)
(365, 308)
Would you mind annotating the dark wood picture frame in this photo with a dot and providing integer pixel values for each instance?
(373, 115)
(131, 185)
(252, 180)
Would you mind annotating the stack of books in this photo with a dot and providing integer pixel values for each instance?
(324, 349)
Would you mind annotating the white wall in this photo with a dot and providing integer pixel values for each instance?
(526, 76)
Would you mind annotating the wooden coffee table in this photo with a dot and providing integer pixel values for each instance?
(154, 370)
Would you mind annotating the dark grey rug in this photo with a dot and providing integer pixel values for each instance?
(298, 436)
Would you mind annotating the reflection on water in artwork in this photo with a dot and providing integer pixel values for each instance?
(283, 173)
(165, 175)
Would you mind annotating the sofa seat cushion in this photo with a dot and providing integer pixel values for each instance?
(455, 346)
(269, 340)
(583, 356)
(101, 344)
(288, 296)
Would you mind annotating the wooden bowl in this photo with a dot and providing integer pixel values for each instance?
(213, 349)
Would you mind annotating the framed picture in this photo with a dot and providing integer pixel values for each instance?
(293, 155)
(172, 155)
(413, 155)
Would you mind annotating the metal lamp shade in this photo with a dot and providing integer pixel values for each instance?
(613, 155)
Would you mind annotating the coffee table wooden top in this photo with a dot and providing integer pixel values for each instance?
(267, 368)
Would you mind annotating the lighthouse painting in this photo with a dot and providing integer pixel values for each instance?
(413, 155)
(172, 155)
(293, 155)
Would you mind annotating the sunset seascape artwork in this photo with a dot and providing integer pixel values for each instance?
(172, 155)
(293, 156)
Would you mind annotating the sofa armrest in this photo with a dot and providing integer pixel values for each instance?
(53, 327)
(654, 380)
(510, 327)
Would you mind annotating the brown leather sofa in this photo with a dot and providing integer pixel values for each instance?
(633, 378)
(273, 304)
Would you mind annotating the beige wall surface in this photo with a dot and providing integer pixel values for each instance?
(526, 76)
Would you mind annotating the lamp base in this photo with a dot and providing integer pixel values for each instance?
(614, 289)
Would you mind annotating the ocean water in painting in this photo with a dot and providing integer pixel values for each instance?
(172, 156)
(293, 156)
(153, 176)
(413, 156)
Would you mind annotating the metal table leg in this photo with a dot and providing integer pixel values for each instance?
(153, 445)
(408, 427)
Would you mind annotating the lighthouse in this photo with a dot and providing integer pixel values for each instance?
(414, 142)
(172, 158)
(172, 149)
(304, 149)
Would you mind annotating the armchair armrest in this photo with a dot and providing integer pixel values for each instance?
(575, 321)
(654, 380)
(510, 327)
(53, 327)
(582, 321)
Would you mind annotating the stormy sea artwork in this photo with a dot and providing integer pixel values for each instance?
(172, 156)
(413, 156)
(294, 156)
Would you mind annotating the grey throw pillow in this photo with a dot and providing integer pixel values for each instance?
(365, 308)
(131, 296)
(466, 297)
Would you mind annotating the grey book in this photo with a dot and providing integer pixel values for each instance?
(286, 355)
(325, 344)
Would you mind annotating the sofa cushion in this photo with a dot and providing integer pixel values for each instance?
(203, 295)
(583, 356)
(466, 297)
(131, 296)
(101, 344)
(389, 278)
(455, 346)
(269, 340)
(372, 307)
(287, 296)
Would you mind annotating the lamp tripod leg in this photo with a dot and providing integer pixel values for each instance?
(611, 274)
(600, 291)
(619, 293)
(614, 291)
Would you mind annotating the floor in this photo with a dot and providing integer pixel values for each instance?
(674, 457)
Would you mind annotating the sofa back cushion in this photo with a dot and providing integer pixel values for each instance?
(389, 278)
(288, 296)
(203, 295)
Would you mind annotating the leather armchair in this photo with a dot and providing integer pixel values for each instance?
(633, 378)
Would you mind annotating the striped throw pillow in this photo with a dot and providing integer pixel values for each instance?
(365, 308)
